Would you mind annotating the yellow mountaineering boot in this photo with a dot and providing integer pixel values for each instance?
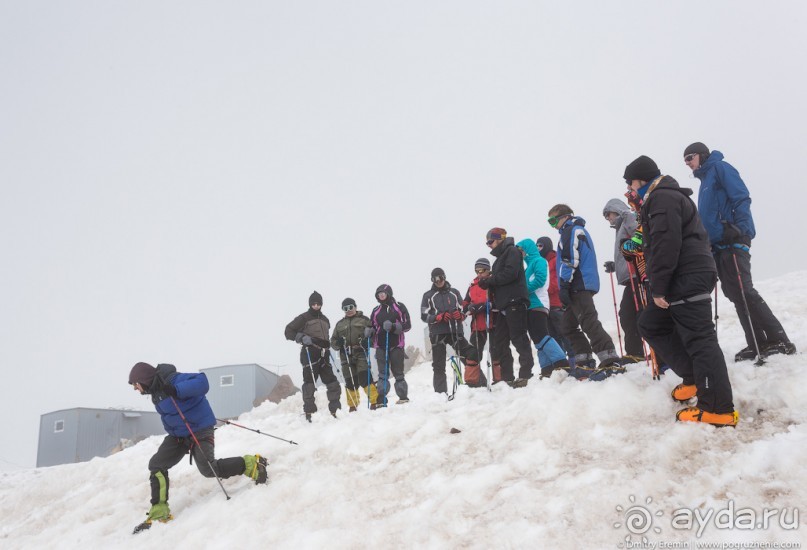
(255, 468)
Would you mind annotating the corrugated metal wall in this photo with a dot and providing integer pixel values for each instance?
(249, 382)
(91, 432)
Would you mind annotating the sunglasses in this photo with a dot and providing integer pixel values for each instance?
(348, 308)
(438, 279)
(553, 220)
(689, 157)
(490, 242)
(481, 271)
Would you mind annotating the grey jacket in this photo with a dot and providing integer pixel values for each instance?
(625, 226)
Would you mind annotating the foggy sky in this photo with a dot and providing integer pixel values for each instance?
(178, 177)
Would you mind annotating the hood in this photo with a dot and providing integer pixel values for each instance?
(714, 158)
(668, 182)
(619, 207)
(384, 288)
(548, 246)
(529, 246)
(574, 220)
(616, 206)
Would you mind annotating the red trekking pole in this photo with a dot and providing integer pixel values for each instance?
(200, 447)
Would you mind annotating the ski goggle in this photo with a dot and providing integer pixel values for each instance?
(553, 220)
(348, 308)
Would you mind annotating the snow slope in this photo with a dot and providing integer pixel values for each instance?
(541, 467)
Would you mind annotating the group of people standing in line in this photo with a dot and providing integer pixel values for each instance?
(668, 255)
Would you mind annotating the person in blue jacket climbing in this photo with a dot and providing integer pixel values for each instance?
(176, 395)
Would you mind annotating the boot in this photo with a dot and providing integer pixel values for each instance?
(772, 348)
(352, 409)
(159, 512)
(518, 383)
(473, 374)
(497, 372)
(255, 468)
(683, 393)
(745, 354)
(694, 414)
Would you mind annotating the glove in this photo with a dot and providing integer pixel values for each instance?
(170, 390)
(565, 294)
(456, 315)
(387, 326)
(610, 267)
(398, 327)
(484, 284)
(299, 338)
(732, 234)
(630, 249)
(441, 318)
(306, 340)
(368, 332)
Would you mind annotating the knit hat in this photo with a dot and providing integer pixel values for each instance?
(348, 302)
(698, 148)
(496, 234)
(544, 245)
(482, 263)
(643, 168)
(143, 374)
(315, 298)
(438, 272)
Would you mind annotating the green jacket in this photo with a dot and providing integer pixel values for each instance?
(352, 330)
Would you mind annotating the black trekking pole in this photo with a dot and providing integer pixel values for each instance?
(760, 361)
(254, 430)
(209, 464)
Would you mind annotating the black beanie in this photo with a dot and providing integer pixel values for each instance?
(545, 245)
(315, 298)
(348, 302)
(643, 168)
(698, 148)
(143, 374)
(438, 272)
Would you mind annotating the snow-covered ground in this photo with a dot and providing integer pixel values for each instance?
(558, 464)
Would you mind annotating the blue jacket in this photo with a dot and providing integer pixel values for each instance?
(578, 261)
(723, 196)
(191, 389)
(537, 273)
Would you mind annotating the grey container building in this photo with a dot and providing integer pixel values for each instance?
(77, 435)
(236, 389)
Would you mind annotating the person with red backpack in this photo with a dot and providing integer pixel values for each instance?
(483, 313)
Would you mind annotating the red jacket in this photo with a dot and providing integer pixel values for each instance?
(476, 296)
(554, 298)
